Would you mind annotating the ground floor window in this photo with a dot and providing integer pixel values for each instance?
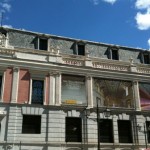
(31, 124)
(125, 131)
(148, 130)
(106, 130)
(73, 129)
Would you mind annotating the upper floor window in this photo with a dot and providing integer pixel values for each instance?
(79, 48)
(113, 93)
(73, 90)
(37, 91)
(73, 129)
(2, 39)
(144, 91)
(41, 43)
(31, 124)
(146, 58)
(113, 53)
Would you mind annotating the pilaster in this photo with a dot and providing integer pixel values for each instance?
(89, 90)
(136, 95)
(15, 81)
(58, 89)
(52, 88)
(115, 129)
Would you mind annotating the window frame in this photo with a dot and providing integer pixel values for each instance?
(143, 58)
(77, 44)
(38, 43)
(31, 88)
(111, 50)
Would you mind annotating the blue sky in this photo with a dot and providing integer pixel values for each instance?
(119, 22)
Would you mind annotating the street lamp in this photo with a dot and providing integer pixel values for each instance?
(107, 114)
(97, 119)
(146, 130)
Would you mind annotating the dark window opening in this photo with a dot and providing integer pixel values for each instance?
(0, 84)
(106, 131)
(146, 59)
(43, 44)
(114, 54)
(124, 131)
(73, 129)
(148, 130)
(31, 124)
(81, 49)
(37, 91)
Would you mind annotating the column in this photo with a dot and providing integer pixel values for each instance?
(115, 127)
(58, 89)
(51, 88)
(136, 95)
(89, 91)
(15, 82)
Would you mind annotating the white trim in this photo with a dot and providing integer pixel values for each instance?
(2, 87)
(30, 91)
(15, 84)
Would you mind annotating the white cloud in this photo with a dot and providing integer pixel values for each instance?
(95, 2)
(7, 26)
(142, 4)
(110, 1)
(143, 20)
(148, 43)
(6, 6)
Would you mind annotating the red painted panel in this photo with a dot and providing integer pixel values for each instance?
(24, 86)
(8, 85)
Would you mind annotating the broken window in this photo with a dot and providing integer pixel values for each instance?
(31, 124)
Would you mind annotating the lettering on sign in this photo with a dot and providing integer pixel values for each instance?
(73, 62)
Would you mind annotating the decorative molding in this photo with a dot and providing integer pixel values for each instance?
(143, 70)
(7, 51)
(110, 66)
